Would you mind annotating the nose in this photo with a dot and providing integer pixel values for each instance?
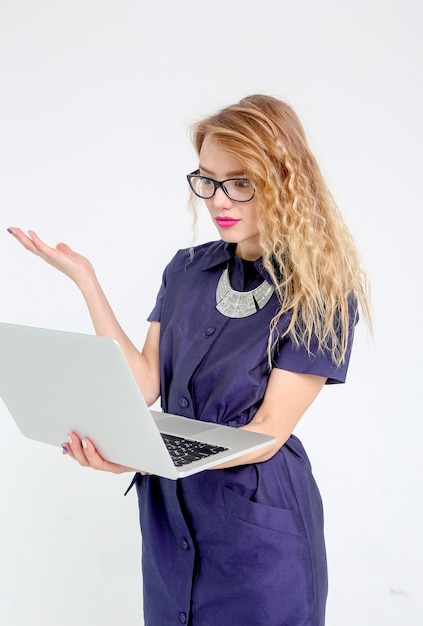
(221, 200)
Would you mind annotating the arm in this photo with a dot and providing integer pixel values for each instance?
(288, 396)
(144, 364)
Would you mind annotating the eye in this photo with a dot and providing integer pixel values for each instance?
(206, 182)
(242, 183)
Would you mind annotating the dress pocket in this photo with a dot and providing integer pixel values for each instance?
(263, 515)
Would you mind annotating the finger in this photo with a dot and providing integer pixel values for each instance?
(97, 462)
(63, 247)
(66, 450)
(26, 241)
(45, 251)
(94, 459)
(84, 452)
(34, 244)
(76, 450)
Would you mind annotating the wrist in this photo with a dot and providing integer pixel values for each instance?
(88, 284)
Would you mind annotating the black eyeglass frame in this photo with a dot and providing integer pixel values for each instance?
(216, 184)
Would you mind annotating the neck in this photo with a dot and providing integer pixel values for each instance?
(248, 251)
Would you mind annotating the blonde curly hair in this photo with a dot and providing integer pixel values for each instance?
(306, 247)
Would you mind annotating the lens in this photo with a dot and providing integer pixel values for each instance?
(239, 189)
(202, 186)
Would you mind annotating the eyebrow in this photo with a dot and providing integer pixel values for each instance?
(236, 174)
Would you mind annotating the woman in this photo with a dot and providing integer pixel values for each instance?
(246, 331)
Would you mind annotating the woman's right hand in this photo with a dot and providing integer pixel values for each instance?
(62, 257)
(145, 365)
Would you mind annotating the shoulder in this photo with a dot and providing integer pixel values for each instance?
(198, 257)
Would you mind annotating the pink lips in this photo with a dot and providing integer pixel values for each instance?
(226, 222)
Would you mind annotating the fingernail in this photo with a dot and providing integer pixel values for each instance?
(12, 231)
(83, 444)
(69, 438)
(64, 450)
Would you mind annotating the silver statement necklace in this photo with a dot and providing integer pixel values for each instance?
(238, 304)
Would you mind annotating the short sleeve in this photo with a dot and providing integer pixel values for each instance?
(156, 313)
(298, 359)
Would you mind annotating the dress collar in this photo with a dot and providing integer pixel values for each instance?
(221, 252)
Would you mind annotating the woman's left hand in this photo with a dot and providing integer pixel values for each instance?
(83, 451)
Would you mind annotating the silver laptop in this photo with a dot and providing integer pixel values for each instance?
(56, 382)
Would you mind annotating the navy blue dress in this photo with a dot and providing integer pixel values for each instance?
(243, 545)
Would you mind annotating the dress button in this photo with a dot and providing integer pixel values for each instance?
(184, 544)
(183, 402)
(210, 330)
(182, 618)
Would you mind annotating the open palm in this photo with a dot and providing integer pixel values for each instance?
(62, 257)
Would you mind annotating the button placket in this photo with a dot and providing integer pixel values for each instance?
(189, 365)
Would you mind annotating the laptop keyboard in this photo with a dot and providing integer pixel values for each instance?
(184, 451)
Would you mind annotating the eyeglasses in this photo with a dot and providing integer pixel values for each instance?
(237, 189)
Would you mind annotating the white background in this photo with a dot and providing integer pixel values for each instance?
(97, 97)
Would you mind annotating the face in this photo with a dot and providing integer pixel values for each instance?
(235, 221)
